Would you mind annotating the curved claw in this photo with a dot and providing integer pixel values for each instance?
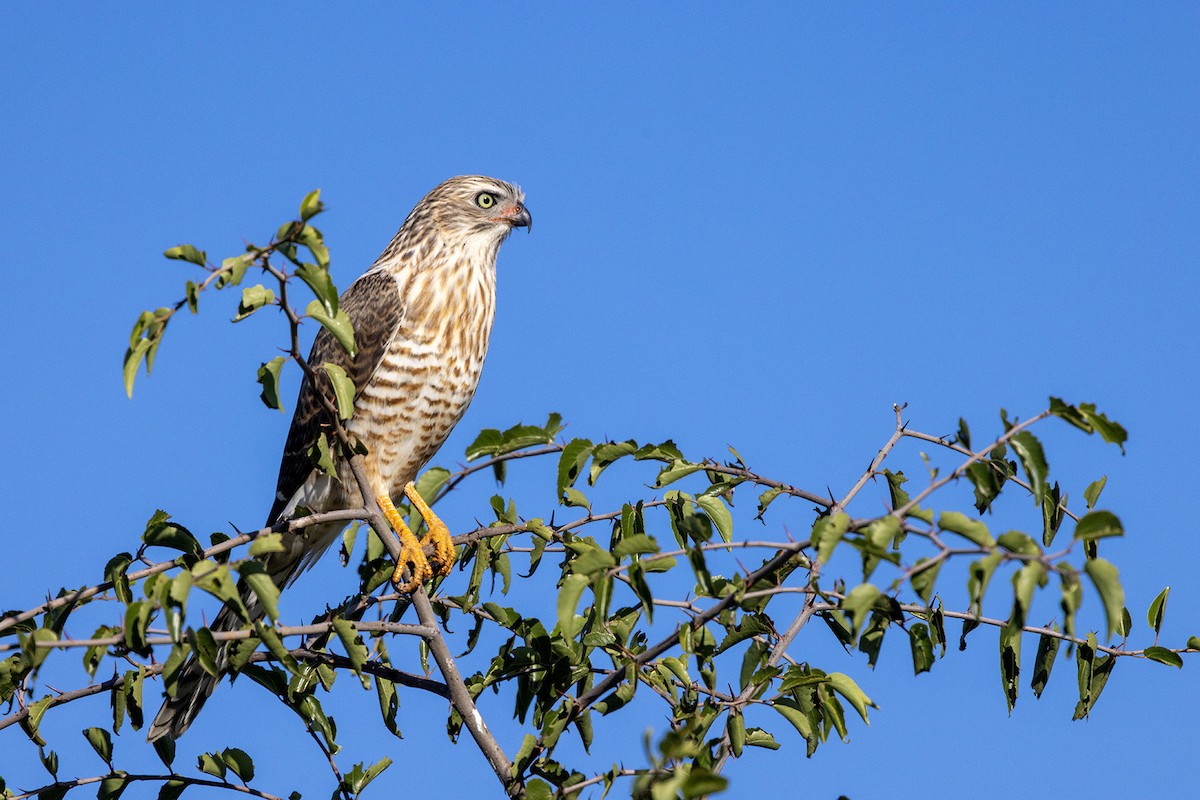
(439, 535)
(412, 555)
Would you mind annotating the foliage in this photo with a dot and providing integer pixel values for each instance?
(652, 603)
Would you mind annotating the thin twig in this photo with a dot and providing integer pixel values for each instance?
(62, 786)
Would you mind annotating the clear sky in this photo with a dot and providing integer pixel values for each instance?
(757, 227)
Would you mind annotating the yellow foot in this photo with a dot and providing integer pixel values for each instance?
(412, 557)
(443, 547)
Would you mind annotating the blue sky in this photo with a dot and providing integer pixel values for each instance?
(758, 227)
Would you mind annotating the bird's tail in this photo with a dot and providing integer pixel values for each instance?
(194, 684)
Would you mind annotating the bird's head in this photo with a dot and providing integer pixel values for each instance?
(477, 206)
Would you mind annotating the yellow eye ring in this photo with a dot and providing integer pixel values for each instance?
(485, 199)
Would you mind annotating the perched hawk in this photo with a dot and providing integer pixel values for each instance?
(422, 315)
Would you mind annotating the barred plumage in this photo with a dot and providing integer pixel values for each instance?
(422, 316)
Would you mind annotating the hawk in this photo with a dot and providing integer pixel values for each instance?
(422, 316)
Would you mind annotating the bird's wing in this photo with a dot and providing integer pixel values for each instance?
(373, 305)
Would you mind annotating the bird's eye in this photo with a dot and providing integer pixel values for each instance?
(485, 199)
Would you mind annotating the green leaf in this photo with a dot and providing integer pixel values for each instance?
(267, 543)
(356, 651)
(52, 793)
(1104, 576)
(321, 456)
(791, 711)
(922, 647)
(1163, 656)
(971, 529)
(757, 737)
(568, 601)
(716, 510)
(165, 749)
(524, 753)
(701, 782)
(1157, 608)
(1092, 493)
(1093, 675)
(112, 786)
(492, 442)
(1017, 542)
(574, 498)
(160, 532)
(1033, 459)
(233, 270)
(253, 298)
(1053, 511)
(133, 359)
(214, 578)
(827, 532)
(1043, 663)
(172, 789)
(1109, 431)
(275, 646)
(137, 620)
(114, 572)
(923, 580)
(338, 324)
(268, 376)
(896, 480)
(1193, 643)
(311, 205)
(1010, 662)
(239, 763)
(570, 464)
(35, 654)
(987, 481)
(186, 252)
(1025, 581)
(674, 471)
(211, 764)
(1098, 524)
(311, 238)
(321, 283)
(204, 647)
(431, 482)
(254, 573)
(538, 790)
(665, 452)
(735, 729)
(344, 390)
(637, 580)
(592, 560)
(858, 604)
(1086, 418)
(33, 719)
(847, 688)
(101, 742)
(749, 626)
(979, 575)
(638, 544)
(605, 454)
(766, 498)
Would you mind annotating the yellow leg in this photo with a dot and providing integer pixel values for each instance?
(412, 556)
(443, 547)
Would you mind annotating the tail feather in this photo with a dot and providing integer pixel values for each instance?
(194, 685)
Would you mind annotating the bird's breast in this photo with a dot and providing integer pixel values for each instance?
(424, 383)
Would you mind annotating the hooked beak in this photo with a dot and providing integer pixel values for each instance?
(518, 217)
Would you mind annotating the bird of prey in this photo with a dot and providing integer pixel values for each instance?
(422, 316)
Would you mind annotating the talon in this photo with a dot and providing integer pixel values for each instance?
(439, 535)
(412, 556)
